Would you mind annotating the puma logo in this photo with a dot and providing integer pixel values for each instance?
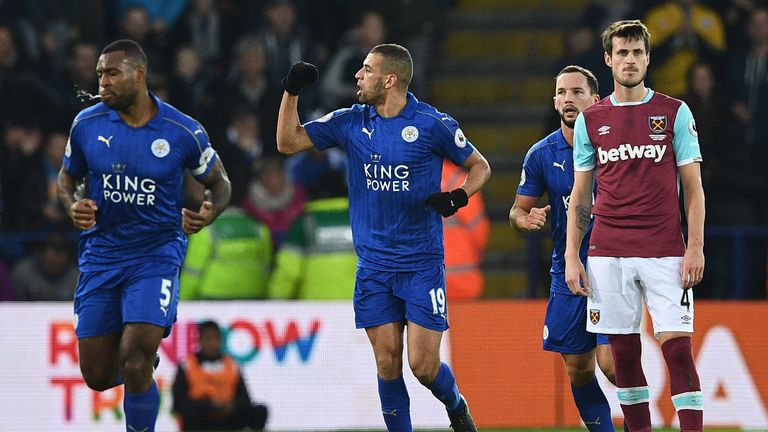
(106, 141)
(559, 165)
(367, 132)
(198, 131)
(392, 413)
(596, 422)
(133, 429)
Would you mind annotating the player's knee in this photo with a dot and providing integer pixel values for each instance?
(424, 369)
(389, 366)
(580, 376)
(98, 380)
(135, 365)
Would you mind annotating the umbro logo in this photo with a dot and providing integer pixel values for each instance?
(604, 130)
(369, 133)
(559, 165)
(105, 140)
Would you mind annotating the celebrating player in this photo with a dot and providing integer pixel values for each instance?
(396, 146)
(132, 150)
(548, 167)
(637, 142)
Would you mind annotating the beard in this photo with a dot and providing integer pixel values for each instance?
(122, 102)
(630, 83)
(568, 123)
(374, 96)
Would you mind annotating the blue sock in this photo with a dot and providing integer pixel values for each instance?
(141, 409)
(593, 407)
(444, 388)
(395, 405)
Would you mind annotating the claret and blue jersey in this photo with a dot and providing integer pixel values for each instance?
(135, 176)
(394, 165)
(548, 168)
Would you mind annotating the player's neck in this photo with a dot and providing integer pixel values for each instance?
(567, 133)
(140, 112)
(392, 105)
(629, 94)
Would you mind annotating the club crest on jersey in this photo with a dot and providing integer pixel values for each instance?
(410, 133)
(460, 139)
(657, 123)
(594, 316)
(160, 148)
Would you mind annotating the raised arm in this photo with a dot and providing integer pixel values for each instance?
(291, 136)
(693, 262)
(579, 216)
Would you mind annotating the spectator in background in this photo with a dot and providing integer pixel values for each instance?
(747, 176)
(229, 259)
(78, 75)
(163, 15)
(209, 392)
(241, 149)
(23, 182)
(336, 87)
(188, 87)
(273, 198)
(466, 238)
(48, 275)
(135, 24)
(208, 30)
(317, 259)
(684, 31)
(248, 87)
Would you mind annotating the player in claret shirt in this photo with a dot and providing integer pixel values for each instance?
(637, 143)
(132, 151)
(396, 146)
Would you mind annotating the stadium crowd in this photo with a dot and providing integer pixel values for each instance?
(221, 62)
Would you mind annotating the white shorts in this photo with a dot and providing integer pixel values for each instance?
(620, 286)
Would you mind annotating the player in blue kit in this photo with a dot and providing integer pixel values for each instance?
(132, 151)
(548, 168)
(396, 146)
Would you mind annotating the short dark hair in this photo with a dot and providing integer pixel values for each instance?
(132, 50)
(594, 87)
(397, 60)
(628, 29)
(208, 325)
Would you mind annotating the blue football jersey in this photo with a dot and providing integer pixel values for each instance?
(136, 178)
(394, 165)
(548, 167)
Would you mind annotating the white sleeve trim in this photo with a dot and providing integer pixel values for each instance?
(584, 168)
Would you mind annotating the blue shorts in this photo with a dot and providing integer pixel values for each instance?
(565, 325)
(106, 300)
(383, 297)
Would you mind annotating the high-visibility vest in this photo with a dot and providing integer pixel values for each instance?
(219, 384)
(466, 238)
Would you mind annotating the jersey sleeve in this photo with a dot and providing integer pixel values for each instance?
(583, 150)
(74, 159)
(532, 177)
(450, 141)
(686, 139)
(328, 130)
(199, 156)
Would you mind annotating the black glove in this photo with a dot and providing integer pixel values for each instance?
(448, 203)
(301, 75)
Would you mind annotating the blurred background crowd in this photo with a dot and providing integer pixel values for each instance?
(489, 63)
